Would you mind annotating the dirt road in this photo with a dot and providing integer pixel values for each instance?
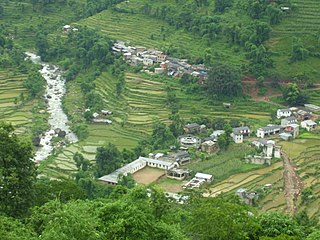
(292, 184)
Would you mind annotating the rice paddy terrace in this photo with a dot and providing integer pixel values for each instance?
(12, 109)
(307, 164)
(142, 102)
(305, 155)
(24, 20)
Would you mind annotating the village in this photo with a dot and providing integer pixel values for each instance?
(174, 165)
(162, 63)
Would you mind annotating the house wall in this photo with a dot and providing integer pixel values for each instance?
(260, 133)
(156, 165)
(237, 138)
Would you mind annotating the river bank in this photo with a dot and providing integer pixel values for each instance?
(58, 120)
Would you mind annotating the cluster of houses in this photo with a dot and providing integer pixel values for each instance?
(175, 67)
(208, 144)
(101, 117)
(172, 164)
(291, 120)
(68, 28)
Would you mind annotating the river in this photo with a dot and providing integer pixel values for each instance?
(58, 120)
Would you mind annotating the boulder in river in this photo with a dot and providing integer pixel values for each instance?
(36, 141)
(57, 130)
(49, 96)
(62, 134)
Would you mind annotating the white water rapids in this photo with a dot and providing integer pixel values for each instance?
(58, 119)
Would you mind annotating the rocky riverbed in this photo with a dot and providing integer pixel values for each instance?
(58, 120)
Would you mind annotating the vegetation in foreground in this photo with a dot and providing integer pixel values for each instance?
(86, 210)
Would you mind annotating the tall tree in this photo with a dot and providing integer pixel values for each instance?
(17, 173)
(213, 218)
(293, 95)
(224, 80)
(108, 159)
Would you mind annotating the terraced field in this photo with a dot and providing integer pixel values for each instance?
(302, 22)
(10, 89)
(142, 102)
(307, 163)
(305, 154)
(314, 97)
(24, 22)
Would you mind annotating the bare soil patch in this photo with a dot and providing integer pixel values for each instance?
(148, 175)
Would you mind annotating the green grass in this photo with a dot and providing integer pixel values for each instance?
(303, 22)
(223, 165)
(314, 97)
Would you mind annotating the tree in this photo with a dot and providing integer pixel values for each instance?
(17, 173)
(222, 5)
(42, 44)
(214, 218)
(81, 163)
(224, 139)
(12, 229)
(314, 236)
(274, 224)
(126, 181)
(176, 126)
(34, 83)
(162, 137)
(74, 220)
(1, 11)
(299, 52)
(224, 80)
(293, 95)
(275, 14)
(108, 159)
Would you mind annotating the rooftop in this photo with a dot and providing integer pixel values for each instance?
(272, 127)
(309, 122)
(203, 175)
(292, 118)
(284, 110)
(192, 125)
(114, 176)
(240, 130)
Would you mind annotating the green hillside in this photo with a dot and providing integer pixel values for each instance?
(302, 22)
(140, 22)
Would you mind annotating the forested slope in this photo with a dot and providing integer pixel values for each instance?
(256, 36)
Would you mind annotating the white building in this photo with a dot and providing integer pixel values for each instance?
(204, 176)
(283, 113)
(289, 120)
(308, 124)
(216, 134)
(135, 166)
(269, 130)
(239, 133)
